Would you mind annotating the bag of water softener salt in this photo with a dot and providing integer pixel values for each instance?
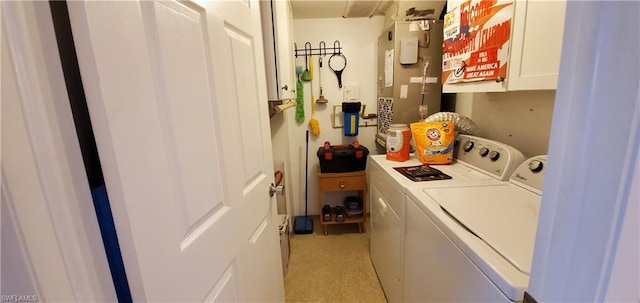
(434, 141)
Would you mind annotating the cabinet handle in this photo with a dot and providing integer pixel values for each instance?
(383, 204)
(499, 79)
(341, 184)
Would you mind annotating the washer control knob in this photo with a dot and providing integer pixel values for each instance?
(468, 146)
(535, 166)
(484, 152)
(494, 155)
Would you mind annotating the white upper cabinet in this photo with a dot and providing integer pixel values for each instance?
(534, 49)
(536, 44)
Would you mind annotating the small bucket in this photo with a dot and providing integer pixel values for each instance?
(398, 141)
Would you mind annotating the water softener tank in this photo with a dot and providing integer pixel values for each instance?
(351, 112)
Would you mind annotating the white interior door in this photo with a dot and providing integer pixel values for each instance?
(177, 99)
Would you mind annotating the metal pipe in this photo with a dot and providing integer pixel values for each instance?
(366, 123)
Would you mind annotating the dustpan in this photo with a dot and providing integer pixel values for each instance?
(303, 225)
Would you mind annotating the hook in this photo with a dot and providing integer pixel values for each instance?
(310, 48)
(322, 48)
(295, 48)
(338, 48)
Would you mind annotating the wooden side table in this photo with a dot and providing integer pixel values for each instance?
(336, 182)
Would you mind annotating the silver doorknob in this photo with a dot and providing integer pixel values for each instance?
(276, 189)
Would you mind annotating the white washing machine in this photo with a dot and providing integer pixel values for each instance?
(476, 243)
(479, 162)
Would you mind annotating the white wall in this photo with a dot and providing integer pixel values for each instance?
(358, 38)
(521, 119)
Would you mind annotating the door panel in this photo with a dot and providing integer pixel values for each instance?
(245, 88)
(186, 103)
(225, 289)
(260, 243)
(181, 122)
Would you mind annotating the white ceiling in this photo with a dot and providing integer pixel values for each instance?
(304, 9)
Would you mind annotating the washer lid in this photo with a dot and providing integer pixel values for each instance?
(505, 217)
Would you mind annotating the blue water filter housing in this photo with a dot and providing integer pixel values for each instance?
(351, 111)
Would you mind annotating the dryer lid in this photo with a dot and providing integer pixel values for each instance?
(504, 217)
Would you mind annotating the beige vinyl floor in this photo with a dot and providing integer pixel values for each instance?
(332, 268)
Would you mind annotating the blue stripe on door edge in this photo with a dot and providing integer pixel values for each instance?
(110, 240)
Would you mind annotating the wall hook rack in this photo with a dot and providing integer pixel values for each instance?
(320, 51)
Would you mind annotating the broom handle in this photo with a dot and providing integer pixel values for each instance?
(320, 74)
(306, 175)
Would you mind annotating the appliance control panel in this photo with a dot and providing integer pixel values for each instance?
(530, 174)
(497, 159)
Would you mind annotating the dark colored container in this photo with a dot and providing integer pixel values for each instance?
(353, 207)
(351, 107)
(342, 158)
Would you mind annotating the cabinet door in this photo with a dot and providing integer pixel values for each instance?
(386, 234)
(536, 45)
(386, 246)
(487, 41)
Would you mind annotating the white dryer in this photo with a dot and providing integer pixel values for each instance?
(478, 242)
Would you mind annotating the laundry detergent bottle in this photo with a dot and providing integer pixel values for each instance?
(398, 142)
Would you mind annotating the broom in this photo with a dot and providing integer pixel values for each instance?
(304, 225)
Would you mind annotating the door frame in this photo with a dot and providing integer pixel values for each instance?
(77, 250)
(593, 150)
